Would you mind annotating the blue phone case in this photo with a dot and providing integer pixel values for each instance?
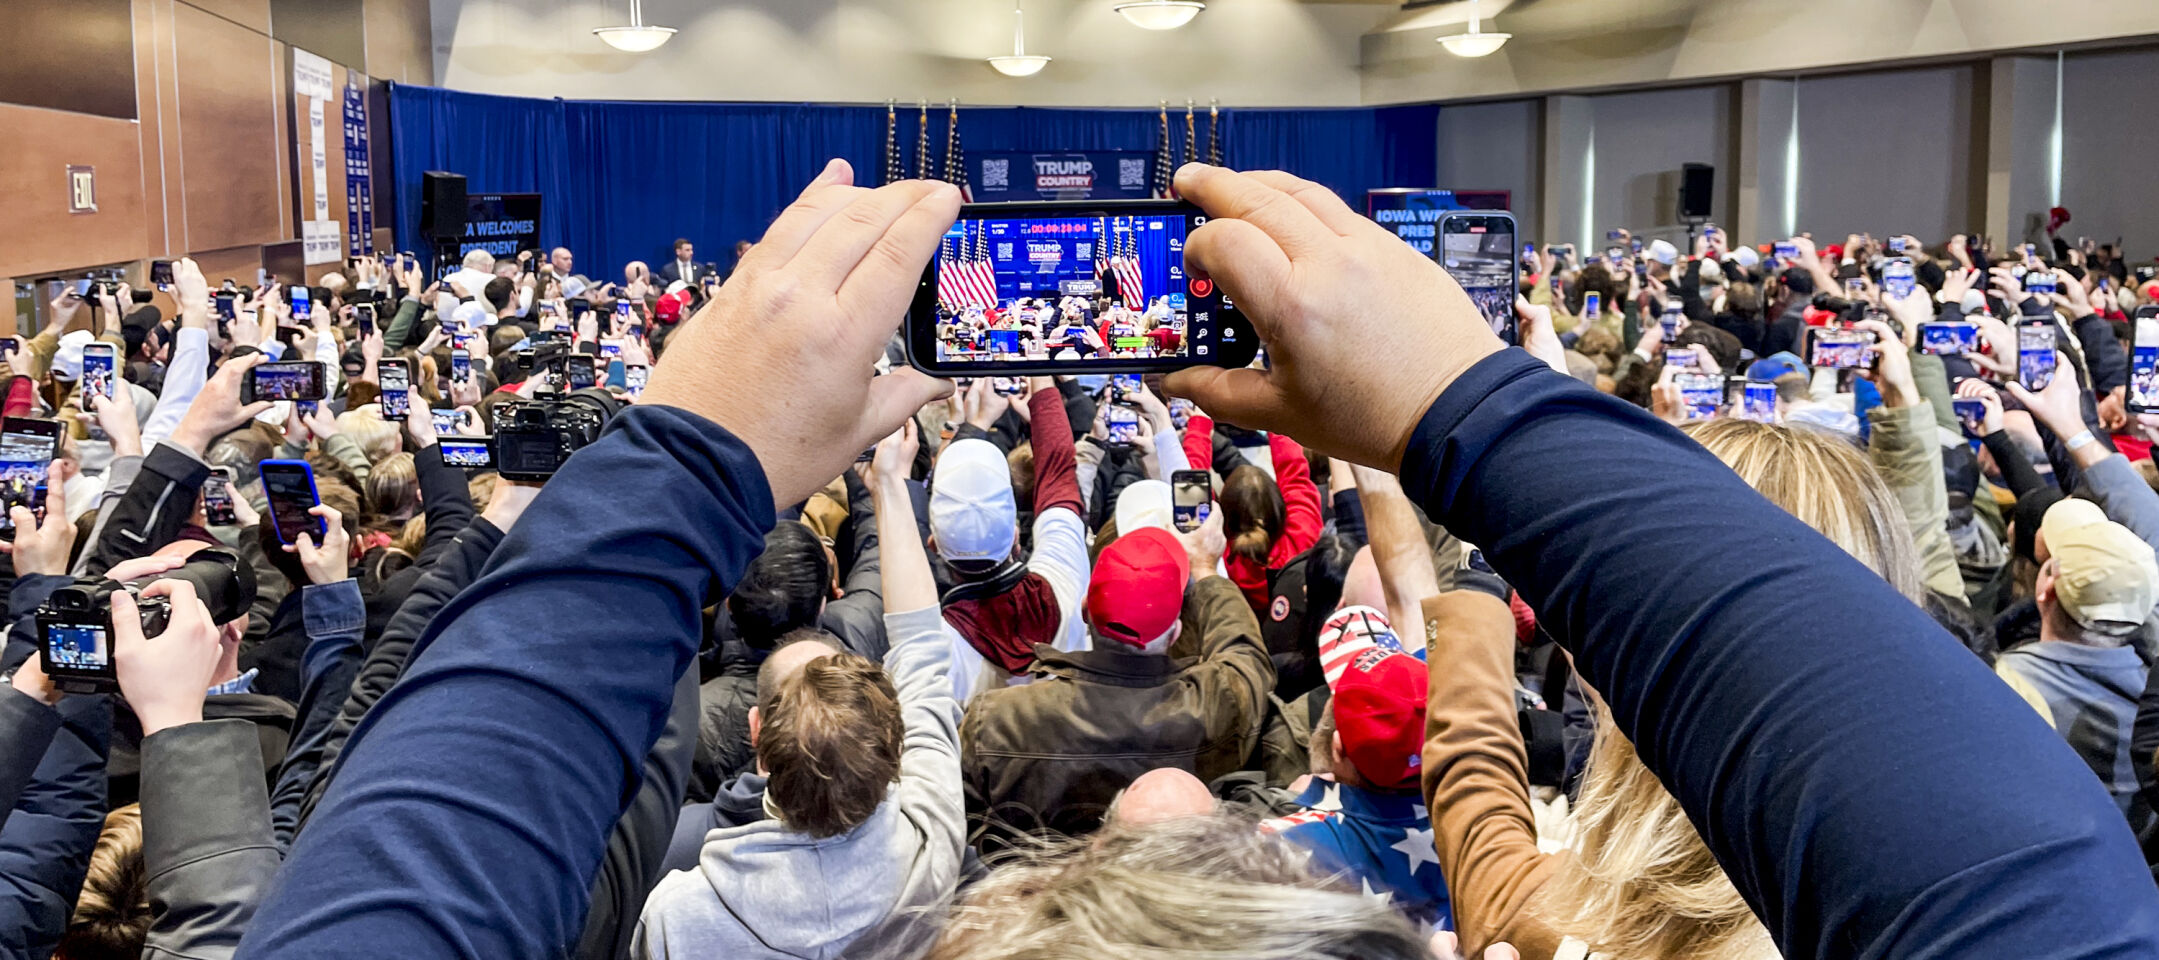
(263, 472)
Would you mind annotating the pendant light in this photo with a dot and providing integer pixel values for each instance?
(1020, 63)
(1160, 14)
(1475, 43)
(638, 37)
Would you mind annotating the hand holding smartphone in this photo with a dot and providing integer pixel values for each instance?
(26, 450)
(290, 487)
(395, 379)
(1191, 498)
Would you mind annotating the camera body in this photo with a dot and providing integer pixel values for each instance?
(74, 624)
(533, 438)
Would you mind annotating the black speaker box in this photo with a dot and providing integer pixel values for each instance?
(1697, 183)
(442, 205)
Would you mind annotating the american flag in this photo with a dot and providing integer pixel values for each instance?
(1129, 282)
(955, 158)
(1101, 256)
(1163, 161)
(948, 280)
(968, 280)
(1191, 135)
(893, 173)
(922, 143)
(1353, 632)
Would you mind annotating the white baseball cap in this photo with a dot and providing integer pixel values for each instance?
(971, 506)
(1145, 503)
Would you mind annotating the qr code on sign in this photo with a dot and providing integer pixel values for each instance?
(1131, 172)
(996, 173)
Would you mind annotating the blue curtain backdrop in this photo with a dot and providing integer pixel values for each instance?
(623, 179)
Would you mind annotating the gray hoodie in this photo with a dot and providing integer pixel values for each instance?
(763, 890)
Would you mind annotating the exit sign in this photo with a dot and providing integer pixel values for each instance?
(81, 189)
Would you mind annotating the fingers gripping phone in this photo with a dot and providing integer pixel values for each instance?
(26, 451)
(289, 485)
(1191, 498)
(217, 498)
(97, 369)
(1477, 248)
(1068, 288)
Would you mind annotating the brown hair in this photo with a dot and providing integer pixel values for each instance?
(112, 913)
(1253, 514)
(393, 491)
(830, 738)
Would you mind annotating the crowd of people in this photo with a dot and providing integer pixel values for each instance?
(1476, 651)
(1074, 328)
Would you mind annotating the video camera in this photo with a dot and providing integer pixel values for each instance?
(533, 438)
(75, 634)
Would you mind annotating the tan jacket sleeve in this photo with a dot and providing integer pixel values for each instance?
(1476, 777)
(1909, 457)
(1234, 673)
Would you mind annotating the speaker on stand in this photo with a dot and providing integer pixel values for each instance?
(1697, 187)
(442, 214)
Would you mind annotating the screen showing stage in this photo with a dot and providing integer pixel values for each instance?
(1069, 288)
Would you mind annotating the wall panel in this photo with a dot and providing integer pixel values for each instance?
(41, 234)
(228, 141)
(1889, 152)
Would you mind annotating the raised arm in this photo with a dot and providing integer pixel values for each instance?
(1399, 550)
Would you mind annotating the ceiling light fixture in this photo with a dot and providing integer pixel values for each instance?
(1475, 43)
(1160, 14)
(638, 37)
(1020, 63)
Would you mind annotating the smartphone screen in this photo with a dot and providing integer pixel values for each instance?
(286, 380)
(301, 305)
(366, 314)
(2144, 360)
(578, 372)
(617, 374)
(1953, 338)
(1758, 401)
(1011, 386)
(1124, 388)
(396, 383)
(468, 453)
(2040, 283)
(97, 365)
(1592, 304)
(2035, 355)
(1191, 498)
(224, 306)
(1839, 349)
(290, 487)
(217, 501)
(460, 366)
(1072, 288)
(447, 422)
(1685, 358)
(26, 450)
(1699, 395)
(1123, 426)
(1972, 414)
(633, 378)
(1898, 281)
(161, 273)
(1477, 248)
(1784, 250)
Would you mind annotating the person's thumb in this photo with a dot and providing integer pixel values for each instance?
(894, 398)
(1502, 951)
(2023, 396)
(1246, 397)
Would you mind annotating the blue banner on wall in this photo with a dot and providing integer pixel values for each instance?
(501, 223)
(359, 176)
(1414, 214)
(1093, 175)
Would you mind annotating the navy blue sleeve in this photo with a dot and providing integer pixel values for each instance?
(45, 847)
(1870, 787)
(1349, 516)
(472, 805)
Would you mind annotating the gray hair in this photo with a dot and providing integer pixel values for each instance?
(480, 260)
(1191, 888)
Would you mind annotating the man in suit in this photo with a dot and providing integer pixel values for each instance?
(684, 266)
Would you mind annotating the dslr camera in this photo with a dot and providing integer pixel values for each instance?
(533, 438)
(74, 624)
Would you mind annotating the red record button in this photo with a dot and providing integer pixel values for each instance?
(1202, 287)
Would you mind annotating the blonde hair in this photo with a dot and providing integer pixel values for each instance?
(393, 489)
(112, 913)
(378, 438)
(1641, 883)
(1827, 484)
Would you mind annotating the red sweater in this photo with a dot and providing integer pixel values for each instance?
(1302, 522)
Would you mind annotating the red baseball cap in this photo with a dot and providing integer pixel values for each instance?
(1379, 711)
(1137, 590)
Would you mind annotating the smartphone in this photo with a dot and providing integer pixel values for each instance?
(306, 408)
(1839, 349)
(447, 421)
(1898, 281)
(610, 348)
(395, 378)
(460, 366)
(1950, 338)
(1972, 414)
(290, 487)
(1896, 245)
(302, 301)
(1700, 395)
(1143, 314)
(578, 372)
(617, 374)
(1124, 389)
(1758, 402)
(217, 498)
(469, 453)
(633, 377)
(622, 308)
(2035, 355)
(26, 451)
(97, 367)
(1191, 498)
(1784, 250)
(1123, 427)
(11, 344)
(1675, 314)
(2041, 283)
(1476, 247)
(224, 306)
(1009, 386)
(285, 380)
(1592, 304)
(366, 314)
(463, 341)
(161, 273)
(2144, 360)
(1685, 358)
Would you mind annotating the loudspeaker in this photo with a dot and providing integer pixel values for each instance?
(442, 205)
(1697, 181)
